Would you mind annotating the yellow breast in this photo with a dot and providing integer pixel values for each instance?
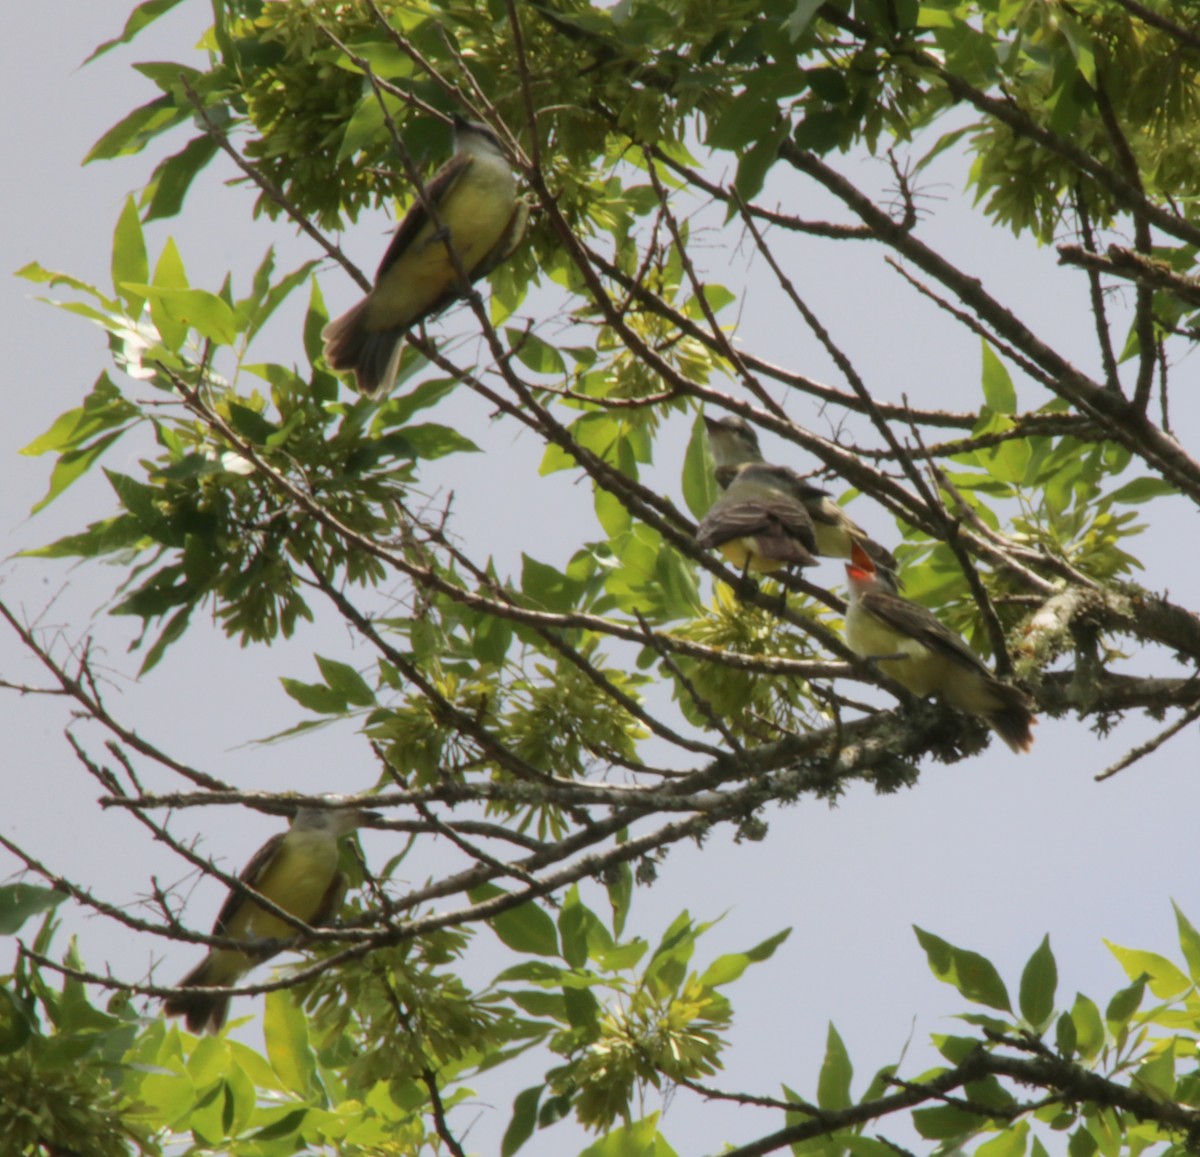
(475, 214)
(297, 879)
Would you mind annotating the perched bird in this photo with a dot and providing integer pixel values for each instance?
(296, 870)
(733, 442)
(913, 647)
(760, 523)
(480, 216)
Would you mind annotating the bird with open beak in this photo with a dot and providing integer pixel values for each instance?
(923, 655)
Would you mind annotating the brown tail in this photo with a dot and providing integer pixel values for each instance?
(374, 356)
(1014, 719)
(200, 1012)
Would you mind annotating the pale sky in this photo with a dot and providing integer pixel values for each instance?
(989, 854)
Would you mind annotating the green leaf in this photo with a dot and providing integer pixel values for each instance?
(18, 902)
(1089, 1027)
(129, 260)
(547, 587)
(618, 882)
(173, 177)
(491, 640)
(16, 1023)
(315, 696)
(1081, 1144)
(397, 410)
(525, 928)
(573, 924)
(287, 1127)
(865, 1146)
(430, 441)
(944, 1123)
(1039, 982)
(639, 1139)
(73, 465)
(1065, 1036)
(535, 354)
(1009, 1142)
(133, 132)
(1166, 980)
(142, 502)
(1142, 490)
(347, 682)
(251, 425)
(700, 488)
(582, 1010)
(171, 632)
(102, 409)
(833, 1083)
(169, 274)
(524, 1120)
(998, 390)
(286, 1031)
(1124, 1004)
(756, 162)
(1189, 942)
(252, 319)
(145, 13)
(748, 118)
(821, 130)
(800, 18)
(1156, 1077)
(179, 310)
(101, 538)
(973, 975)
(728, 968)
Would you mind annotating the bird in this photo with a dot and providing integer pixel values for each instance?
(923, 655)
(479, 215)
(760, 523)
(733, 442)
(297, 870)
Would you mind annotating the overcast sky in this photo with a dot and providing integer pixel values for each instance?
(990, 853)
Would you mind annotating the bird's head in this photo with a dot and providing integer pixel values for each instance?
(476, 138)
(732, 440)
(340, 821)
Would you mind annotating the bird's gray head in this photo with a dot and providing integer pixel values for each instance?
(730, 427)
(473, 137)
(338, 821)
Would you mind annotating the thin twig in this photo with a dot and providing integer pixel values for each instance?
(1151, 745)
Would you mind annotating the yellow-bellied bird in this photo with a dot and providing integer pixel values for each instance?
(479, 216)
(760, 523)
(913, 647)
(733, 442)
(296, 870)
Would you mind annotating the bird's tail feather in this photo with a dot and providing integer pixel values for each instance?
(373, 355)
(1013, 720)
(201, 1012)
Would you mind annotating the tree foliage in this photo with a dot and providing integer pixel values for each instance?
(515, 714)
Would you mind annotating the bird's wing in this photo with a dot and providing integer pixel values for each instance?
(437, 188)
(331, 902)
(789, 514)
(728, 520)
(513, 233)
(778, 520)
(915, 622)
(251, 872)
